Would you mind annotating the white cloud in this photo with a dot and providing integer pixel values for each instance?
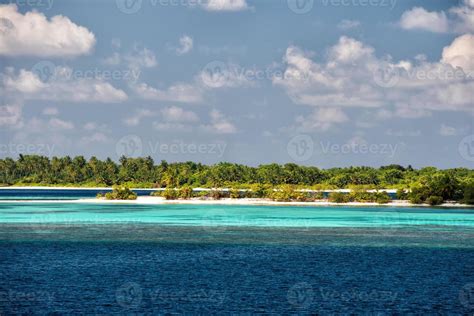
(58, 124)
(225, 5)
(220, 124)
(349, 77)
(60, 87)
(140, 58)
(321, 119)
(97, 137)
(419, 18)
(50, 111)
(216, 75)
(348, 24)
(33, 34)
(177, 114)
(460, 53)
(180, 92)
(136, 118)
(113, 60)
(411, 112)
(446, 130)
(458, 19)
(186, 43)
(10, 115)
(174, 127)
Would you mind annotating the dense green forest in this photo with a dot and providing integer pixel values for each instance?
(450, 184)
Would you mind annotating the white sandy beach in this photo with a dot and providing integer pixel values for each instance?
(151, 200)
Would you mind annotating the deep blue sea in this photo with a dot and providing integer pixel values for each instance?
(172, 259)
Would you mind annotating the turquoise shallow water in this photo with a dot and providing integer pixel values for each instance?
(226, 215)
(101, 259)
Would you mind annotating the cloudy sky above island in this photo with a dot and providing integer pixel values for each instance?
(324, 82)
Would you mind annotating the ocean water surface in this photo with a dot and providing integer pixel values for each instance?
(67, 258)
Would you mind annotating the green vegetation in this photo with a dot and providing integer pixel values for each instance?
(119, 193)
(420, 186)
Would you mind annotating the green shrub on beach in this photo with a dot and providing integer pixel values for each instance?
(434, 200)
(121, 193)
(186, 193)
(402, 194)
(235, 194)
(339, 197)
(215, 194)
(170, 194)
(382, 198)
(468, 194)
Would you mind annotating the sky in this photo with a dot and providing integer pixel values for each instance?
(327, 83)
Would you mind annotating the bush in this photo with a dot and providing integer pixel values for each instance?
(234, 194)
(401, 194)
(185, 193)
(121, 193)
(468, 196)
(434, 200)
(339, 197)
(170, 194)
(215, 194)
(416, 199)
(382, 198)
(100, 195)
(284, 194)
(260, 190)
(318, 196)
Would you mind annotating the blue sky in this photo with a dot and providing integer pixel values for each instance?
(324, 82)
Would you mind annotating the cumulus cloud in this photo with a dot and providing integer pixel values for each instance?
(50, 111)
(220, 124)
(59, 87)
(174, 118)
(32, 34)
(419, 18)
(177, 114)
(97, 137)
(350, 77)
(140, 58)
(136, 118)
(10, 115)
(460, 53)
(458, 19)
(348, 24)
(224, 5)
(180, 92)
(321, 119)
(186, 45)
(58, 124)
(216, 75)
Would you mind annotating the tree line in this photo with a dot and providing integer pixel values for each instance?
(449, 184)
